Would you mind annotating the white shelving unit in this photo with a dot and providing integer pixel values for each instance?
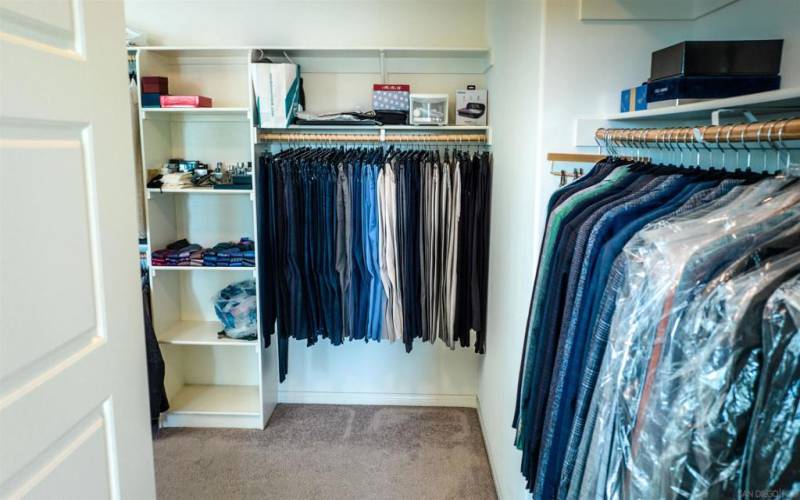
(210, 381)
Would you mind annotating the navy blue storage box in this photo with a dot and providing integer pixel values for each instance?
(151, 100)
(709, 87)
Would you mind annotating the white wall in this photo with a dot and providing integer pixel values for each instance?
(306, 23)
(550, 69)
(754, 19)
(514, 81)
(380, 373)
(586, 66)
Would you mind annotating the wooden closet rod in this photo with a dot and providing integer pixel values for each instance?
(575, 157)
(765, 132)
(585, 158)
(415, 138)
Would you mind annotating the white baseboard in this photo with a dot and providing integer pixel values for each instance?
(369, 398)
(492, 461)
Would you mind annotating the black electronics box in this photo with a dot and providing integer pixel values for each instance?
(709, 87)
(732, 58)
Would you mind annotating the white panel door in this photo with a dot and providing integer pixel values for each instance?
(74, 420)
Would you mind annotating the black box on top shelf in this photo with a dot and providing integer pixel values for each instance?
(718, 58)
(709, 87)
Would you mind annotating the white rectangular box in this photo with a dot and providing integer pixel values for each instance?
(277, 92)
(472, 106)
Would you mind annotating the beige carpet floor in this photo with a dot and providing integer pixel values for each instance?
(331, 452)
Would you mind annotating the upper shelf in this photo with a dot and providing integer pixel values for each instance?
(774, 99)
(399, 60)
(177, 51)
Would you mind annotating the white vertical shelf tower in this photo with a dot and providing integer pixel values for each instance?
(210, 382)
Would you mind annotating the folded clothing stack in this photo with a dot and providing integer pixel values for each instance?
(248, 249)
(185, 254)
(212, 258)
(177, 180)
(219, 255)
(226, 254)
(230, 254)
(169, 256)
(159, 257)
(243, 254)
(196, 258)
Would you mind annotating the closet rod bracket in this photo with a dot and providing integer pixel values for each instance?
(749, 116)
(382, 60)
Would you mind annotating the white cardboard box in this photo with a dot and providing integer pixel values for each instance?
(277, 88)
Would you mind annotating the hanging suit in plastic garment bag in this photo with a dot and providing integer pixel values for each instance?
(663, 271)
(601, 237)
(596, 334)
(773, 445)
(635, 354)
(695, 424)
(718, 315)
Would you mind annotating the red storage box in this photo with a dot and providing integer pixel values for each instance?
(155, 85)
(185, 101)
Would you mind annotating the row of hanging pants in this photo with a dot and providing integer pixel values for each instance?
(661, 352)
(373, 244)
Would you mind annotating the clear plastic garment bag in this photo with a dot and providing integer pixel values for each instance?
(674, 397)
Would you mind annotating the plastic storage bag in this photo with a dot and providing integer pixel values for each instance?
(235, 306)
